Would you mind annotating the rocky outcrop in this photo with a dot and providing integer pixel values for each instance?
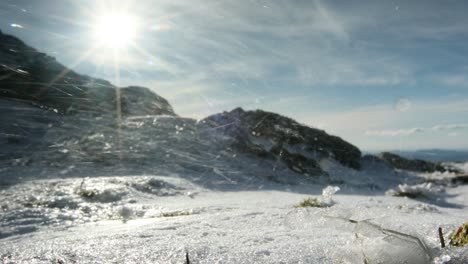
(54, 116)
(140, 101)
(409, 164)
(297, 162)
(33, 77)
(270, 135)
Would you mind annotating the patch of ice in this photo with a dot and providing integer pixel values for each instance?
(327, 195)
(442, 259)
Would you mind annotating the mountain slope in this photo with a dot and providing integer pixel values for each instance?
(64, 122)
(33, 77)
(61, 123)
(277, 134)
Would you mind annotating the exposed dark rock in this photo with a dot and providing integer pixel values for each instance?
(298, 162)
(68, 117)
(411, 165)
(461, 178)
(140, 101)
(246, 127)
(254, 149)
(371, 158)
(33, 77)
(375, 162)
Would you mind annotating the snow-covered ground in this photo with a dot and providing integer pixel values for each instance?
(162, 219)
(112, 175)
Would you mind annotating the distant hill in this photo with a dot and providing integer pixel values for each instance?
(436, 155)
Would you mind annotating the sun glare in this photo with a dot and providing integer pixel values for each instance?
(115, 30)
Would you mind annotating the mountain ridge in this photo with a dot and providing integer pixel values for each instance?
(61, 119)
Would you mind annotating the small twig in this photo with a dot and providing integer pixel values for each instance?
(82, 183)
(441, 237)
(187, 259)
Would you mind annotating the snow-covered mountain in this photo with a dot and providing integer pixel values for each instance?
(64, 123)
(120, 168)
(35, 78)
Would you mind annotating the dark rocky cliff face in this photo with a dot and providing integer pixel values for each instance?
(140, 101)
(410, 164)
(32, 77)
(50, 112)
(267, 132)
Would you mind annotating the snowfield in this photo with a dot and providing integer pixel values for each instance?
(156, 219)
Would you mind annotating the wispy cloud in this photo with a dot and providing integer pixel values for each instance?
(380, 125)
(453, 80)
(411, 131)
(393, 133)
(450, 127)
(302, 44)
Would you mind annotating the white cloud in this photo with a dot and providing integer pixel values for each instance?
(385, 120)
(453, 80)
(411, 131)
(450, 127)
(393, 133)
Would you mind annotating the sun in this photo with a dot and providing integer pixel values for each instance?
(115, 30)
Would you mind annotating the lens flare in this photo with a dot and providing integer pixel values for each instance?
(159, 27)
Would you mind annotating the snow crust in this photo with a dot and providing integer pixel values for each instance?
(160, 219)
(219, 206)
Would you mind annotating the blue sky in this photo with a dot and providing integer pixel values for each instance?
(380, 74)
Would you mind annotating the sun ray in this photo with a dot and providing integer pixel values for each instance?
(118, 102)
(73, 65)
(160, 63)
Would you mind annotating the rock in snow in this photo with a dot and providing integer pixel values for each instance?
(411, 165)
